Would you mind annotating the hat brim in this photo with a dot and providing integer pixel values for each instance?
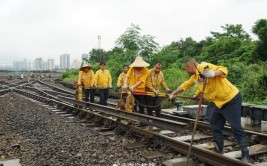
(85, 67)
(144, 64)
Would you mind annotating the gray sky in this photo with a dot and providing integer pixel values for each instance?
(48, 28)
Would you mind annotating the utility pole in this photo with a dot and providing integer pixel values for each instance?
(99, 48)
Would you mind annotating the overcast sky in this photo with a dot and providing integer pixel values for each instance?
(47, 28)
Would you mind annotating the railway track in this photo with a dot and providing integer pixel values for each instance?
(171, 130)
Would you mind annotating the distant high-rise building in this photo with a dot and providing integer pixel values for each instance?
(65, 61)
(20, 65)
(29, 64)
(38, 64)
(50, 64)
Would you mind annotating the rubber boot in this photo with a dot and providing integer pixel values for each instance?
(243, 143)
(218, 139)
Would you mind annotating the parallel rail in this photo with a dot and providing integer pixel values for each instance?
(182, 147)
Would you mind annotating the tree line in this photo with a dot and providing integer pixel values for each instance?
(245, 58)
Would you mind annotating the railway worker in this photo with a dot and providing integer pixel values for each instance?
(224, 95)
(210, 107)
(103, 82)
(122, 76)
(120, 82)
(154, 81)
(86, 82)
(135, 81)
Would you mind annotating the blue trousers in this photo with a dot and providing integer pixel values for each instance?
(103, 94)
(90, 92)
(230, 112)
(210, 108)
(142, 100)
(153, 101)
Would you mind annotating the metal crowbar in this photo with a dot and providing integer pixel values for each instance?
(198, 113)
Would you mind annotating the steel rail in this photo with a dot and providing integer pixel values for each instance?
(182, 147)
(227, 129)
(47, 91)
(54, 87)
(5, 91)
(209, 156)
(162, 123)
(146, 119)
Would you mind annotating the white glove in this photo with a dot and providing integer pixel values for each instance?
(194, 97)
(208, 73)
(110, 85)
(124, 87)
(156, 92)
(131, 88)
(171, 97)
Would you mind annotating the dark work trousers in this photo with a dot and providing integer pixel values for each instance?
(91, 93)
(210, 108)
(103, 93)
(142, 100)
(153, 101)
(230, 112)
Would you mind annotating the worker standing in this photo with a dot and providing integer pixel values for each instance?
(86, 81)
(103, 82)
(120, 82)
(225, 96)
(135, 81)
(122, 76)
(154, 82)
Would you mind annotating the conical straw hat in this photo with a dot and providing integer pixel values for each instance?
(84, 65)
(139, 62)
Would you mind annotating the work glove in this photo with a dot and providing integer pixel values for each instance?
(208, 73)
(131, 88)
(110, 85)
(124, 87)
(171, 97)
(194, 96)
(156, 92)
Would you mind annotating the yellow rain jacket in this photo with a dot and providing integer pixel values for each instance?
(155, 81)
(121, 78)
(134, 76)
(86, 79)
(120, 81)
(102, 78)
(218, 89)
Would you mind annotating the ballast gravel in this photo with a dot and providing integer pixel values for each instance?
(39, 137)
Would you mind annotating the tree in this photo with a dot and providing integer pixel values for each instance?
(260, 29)
(188, 47)
(97, 55)
(233, 43)
(167, 55)
(132, 41)
(232, 31)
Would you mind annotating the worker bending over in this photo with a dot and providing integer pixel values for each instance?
(136, 81)
(224, 95)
